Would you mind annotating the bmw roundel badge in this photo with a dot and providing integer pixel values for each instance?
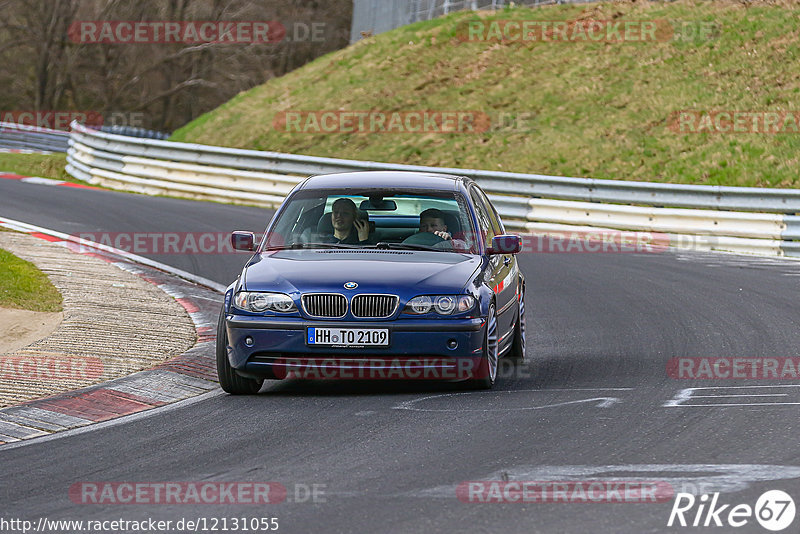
(350, 285)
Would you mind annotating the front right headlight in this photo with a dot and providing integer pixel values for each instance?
(260, 302)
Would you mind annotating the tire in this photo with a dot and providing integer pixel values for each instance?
(228, 379)
(486, 374)
(517, 352)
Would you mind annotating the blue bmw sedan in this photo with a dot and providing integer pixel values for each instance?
(375, 275)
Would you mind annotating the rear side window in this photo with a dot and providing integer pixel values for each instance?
(488, 229)
(494, 218)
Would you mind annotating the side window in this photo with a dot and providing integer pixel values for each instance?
(494, 218)
(484, 221)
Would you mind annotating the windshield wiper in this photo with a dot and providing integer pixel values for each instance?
(297, 246)
(407, 246)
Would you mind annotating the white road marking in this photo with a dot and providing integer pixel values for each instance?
(41, 181)
(686, 395)
(745, 395)
(603, 402)
(688, 478)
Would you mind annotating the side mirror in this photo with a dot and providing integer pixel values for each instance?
(506, 244)
(243, 241)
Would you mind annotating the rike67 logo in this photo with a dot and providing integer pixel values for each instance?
(774, 510)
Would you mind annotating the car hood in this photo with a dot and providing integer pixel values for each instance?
(378, 271)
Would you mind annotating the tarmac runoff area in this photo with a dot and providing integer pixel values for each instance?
(132, 338)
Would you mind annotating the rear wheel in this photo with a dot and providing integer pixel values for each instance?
(228, 379)
(517, 352)
(484, 377)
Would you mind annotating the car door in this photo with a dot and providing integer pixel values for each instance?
(512, 275)
(502, 266)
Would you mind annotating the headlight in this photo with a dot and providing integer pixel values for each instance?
(259, 302)
(465, 303)
(420, 305)
(445, 305)
(441, 304)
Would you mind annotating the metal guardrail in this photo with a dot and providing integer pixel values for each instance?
(22, 137)
(132, 131)
(727, 216)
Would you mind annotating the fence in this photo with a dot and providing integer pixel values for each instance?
(20, 137)
(738, 219)
(378, 16)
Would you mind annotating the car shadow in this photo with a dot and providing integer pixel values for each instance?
(511, 375)
(336, 387)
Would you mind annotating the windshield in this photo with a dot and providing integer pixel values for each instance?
(374, 219)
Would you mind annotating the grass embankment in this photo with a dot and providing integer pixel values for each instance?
(45, 165)
(589, 109)
(23, 286)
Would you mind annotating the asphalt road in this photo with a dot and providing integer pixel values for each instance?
(594, 403)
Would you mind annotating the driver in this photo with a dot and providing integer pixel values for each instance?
(432, 221)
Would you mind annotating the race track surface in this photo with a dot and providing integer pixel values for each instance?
(595, 402)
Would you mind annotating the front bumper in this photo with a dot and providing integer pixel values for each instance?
(418, 349)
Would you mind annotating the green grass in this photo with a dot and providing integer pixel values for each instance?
(44, 165)
(599, 110)
(25, 287)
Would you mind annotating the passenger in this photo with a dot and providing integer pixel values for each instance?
(348, 228)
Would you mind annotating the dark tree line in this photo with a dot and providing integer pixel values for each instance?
(167, 84)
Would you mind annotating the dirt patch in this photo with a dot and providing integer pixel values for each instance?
(20, 328)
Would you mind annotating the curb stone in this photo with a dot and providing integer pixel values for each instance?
(187, 375)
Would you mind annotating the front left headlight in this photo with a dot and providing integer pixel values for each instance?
(260, 302)
(441, 304)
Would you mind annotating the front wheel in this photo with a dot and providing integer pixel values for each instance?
(486, 373)
(228, 379)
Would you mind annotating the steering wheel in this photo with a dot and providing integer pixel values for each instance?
(423, 238)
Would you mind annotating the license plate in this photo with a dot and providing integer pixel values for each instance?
(349, 337)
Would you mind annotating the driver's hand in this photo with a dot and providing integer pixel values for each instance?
(444, 235)
(362, 227)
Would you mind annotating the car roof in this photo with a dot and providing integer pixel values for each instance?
(384, 179)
